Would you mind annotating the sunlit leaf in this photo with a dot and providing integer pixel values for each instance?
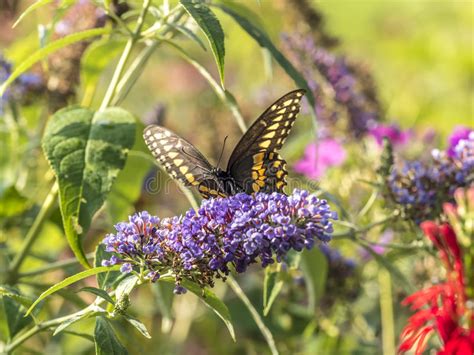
(70, 280)
(137, 325)
(211, 27)
(106, 341)
(86, 150)
(36, 5)
(264, 41)
(42, 53)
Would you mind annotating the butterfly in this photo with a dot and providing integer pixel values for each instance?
(254, 165)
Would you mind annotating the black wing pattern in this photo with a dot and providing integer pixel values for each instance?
(255, 164)
(177, 156)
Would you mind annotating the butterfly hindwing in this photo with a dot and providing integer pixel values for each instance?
(254, 163)
(177, 156)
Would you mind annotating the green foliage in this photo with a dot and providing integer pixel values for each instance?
(70, 280)
(48, 49)
(86, 150)
(211, 27)
(264, 41)
(106, 341)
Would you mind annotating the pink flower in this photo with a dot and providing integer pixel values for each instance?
(391, 131)
(458, 133)
(318, 157)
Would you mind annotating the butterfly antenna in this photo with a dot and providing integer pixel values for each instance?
(222, 151)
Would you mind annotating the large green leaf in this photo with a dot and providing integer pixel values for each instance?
(70, 280)
(86, 150)
(106, 341)
(42, 53)
(211, 27)
(263, 40)
(210, 300)
(315, 269)
(129, 184)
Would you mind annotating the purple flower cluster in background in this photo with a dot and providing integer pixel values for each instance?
(23, 86)
(420, 188)
(344, 90)
(236, 231)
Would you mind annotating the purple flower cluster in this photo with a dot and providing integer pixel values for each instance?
(419, 189)
(226, 232)
(23, 86)
(344, 90)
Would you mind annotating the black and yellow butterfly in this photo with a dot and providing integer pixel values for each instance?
(254, 164)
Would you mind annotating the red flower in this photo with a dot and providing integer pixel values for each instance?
(440, 308)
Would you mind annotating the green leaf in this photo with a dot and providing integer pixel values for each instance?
(12, 313)
(263, 40)
(86, 150)
(314, 265)
(190, 34)
(70, 280)
(83, 314)
(98, 292)
(211, 27)
(272, 286)
(210, 300)
(129, 184)
(105, 279)
(48, 49)
(138, 325)
(126, 286)
(30, 9)
(106, 341)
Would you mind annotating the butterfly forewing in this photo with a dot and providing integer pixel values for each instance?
(254, 163)
(177, 156)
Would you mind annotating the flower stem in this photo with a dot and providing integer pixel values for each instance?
(35, 330)
(54, 266)
(125, 56)
(48, 205)
(386, 312)
(256, 317)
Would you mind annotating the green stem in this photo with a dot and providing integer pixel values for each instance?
(125, 56)
(54, 266)
(48, 206)
(256, 317)
(386, 312)
(354, 230)
(35, 330)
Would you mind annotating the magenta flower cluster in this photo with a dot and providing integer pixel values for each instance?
(223, 233)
